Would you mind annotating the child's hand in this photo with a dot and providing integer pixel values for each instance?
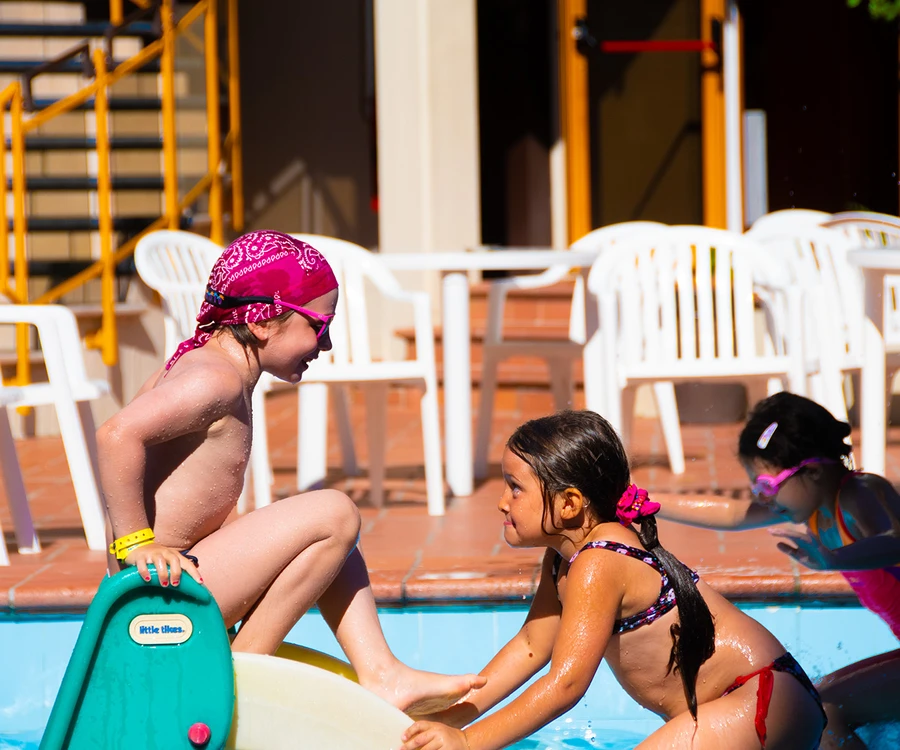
(431, 736)
(458, 715)
(169, 563)
(807, 549)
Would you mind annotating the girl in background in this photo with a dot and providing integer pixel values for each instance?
(798, 461)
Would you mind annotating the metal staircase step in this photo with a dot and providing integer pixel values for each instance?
(121, 143)
(70, 66)
(131, 103)
(10, 357)
(129, 182)
(143, 29)
(83, 311)
(126, 224)
(63, 268)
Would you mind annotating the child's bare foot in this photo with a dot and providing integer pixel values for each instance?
(419, 693)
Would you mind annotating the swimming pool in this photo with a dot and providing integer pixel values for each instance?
(35, 649)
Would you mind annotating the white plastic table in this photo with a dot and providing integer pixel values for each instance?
(457, 334)
(875, 263)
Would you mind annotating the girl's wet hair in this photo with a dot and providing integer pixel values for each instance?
(804, 430)
(580, 449)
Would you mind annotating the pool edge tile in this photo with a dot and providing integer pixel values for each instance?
(494, 588)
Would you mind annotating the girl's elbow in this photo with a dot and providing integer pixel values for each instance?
(112, 437)
(106, 435)
(568, 689)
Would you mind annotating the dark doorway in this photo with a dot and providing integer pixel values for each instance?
(826, 76)
(515, 63)
(645, 115)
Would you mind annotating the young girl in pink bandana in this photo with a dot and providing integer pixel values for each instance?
(172, 466)
(608, 589)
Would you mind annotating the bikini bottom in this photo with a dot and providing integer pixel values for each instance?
(193, 558)
(787, 664)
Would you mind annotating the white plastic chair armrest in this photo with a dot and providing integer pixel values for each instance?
(100, 387)
(10, 395)
(35, 315)
(41, 394)
(421, 302)
(401, 295)
(57, 327)
(598, 276)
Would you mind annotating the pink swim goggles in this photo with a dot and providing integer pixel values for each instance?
(768, 486)
(217, 299)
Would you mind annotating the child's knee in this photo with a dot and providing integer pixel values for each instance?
(344, 520)
(835, 714)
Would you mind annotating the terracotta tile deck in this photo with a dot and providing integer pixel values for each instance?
(413, 557)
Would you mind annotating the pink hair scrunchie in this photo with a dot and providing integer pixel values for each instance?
(634, 504)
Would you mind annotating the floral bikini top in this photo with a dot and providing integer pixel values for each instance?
(663, 604)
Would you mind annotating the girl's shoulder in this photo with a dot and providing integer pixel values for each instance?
(871, 501)
(203, 382)
(861, 484)
(612, 553)
(206, 364)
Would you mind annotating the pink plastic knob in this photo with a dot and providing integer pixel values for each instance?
(199, 734)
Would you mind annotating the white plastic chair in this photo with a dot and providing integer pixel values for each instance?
(871, 229)
(70, 391)
(789, 219)
(868, 229)
(559, 354)
(833, 336)
(177, 265)
(679, 305)
(350, 363)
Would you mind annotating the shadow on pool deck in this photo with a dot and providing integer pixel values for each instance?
(416, 558)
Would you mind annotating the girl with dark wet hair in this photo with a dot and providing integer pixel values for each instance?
(609, 590)
(800, 468)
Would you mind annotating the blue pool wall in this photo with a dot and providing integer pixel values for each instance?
(34, 652)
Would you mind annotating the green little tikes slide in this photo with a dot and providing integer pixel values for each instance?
(151, 669)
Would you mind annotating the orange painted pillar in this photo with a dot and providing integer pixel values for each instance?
(574, 120)
(712, 97)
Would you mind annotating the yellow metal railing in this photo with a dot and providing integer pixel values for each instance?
(108, 341)
(14, 97)
(233, 139)
(115, 10)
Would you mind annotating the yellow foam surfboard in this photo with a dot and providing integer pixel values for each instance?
(316, 659)
(283, 704)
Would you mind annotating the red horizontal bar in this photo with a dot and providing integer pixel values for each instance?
(662, 45)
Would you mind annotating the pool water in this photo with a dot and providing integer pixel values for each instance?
(30, 741)
(569, 736)
(450, 639)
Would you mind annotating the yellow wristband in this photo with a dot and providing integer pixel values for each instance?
(125, 544)
(123, 553)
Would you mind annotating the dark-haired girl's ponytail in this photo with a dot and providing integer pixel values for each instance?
(694, 635)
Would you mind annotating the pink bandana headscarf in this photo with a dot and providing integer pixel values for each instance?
(259, 264)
